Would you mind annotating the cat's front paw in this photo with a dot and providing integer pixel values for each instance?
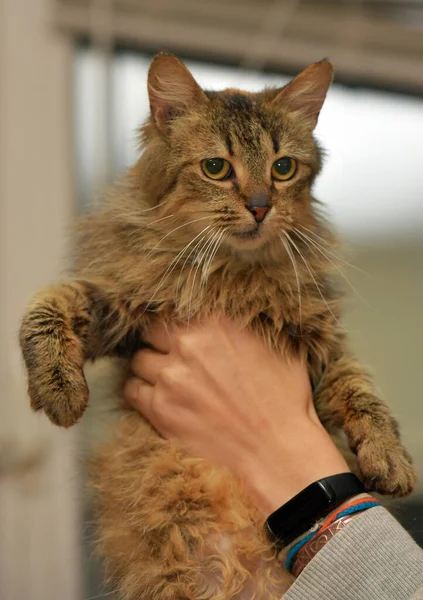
(386, 467)
(61, 393)
(53, 357)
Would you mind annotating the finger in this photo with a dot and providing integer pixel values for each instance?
(147, 364)
(160, 336)
(139, 394)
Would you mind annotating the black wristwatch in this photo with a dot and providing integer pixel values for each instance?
(316, 501)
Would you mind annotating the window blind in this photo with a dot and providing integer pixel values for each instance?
(369, 41)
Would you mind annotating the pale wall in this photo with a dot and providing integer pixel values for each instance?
(388, 333)
(39, 523)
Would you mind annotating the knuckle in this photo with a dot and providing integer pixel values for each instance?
(195, 343)
(187, 344)
(169, 378)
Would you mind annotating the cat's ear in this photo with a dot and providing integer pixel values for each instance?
(172, 89)
(306, 93)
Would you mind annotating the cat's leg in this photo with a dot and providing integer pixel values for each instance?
(173, 528)
(346, 397)
(64, 326)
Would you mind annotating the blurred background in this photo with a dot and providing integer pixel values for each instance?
(72, 93)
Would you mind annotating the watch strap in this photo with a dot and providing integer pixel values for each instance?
(305, 509)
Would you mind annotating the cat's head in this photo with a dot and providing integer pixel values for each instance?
(237, 163)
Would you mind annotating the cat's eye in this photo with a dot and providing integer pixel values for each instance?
(284, 168)
(216, 168)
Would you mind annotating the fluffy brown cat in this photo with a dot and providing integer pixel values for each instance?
(216, 217)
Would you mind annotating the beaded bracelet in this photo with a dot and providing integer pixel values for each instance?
(303, 551)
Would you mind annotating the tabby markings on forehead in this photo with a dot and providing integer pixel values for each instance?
(239, 102)
(229, 144)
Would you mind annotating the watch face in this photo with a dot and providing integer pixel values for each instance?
(301, 512)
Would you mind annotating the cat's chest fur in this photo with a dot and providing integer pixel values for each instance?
(243, 293)
(286, 312)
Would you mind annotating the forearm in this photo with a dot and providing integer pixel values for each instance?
(373, 557)
(219, 380)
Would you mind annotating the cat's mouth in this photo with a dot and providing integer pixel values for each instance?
(250, 234)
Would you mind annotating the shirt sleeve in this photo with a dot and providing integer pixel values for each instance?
(373, 557)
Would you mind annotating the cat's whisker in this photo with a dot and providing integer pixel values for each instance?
(163, 250)
(136, 232)
(199, 257)
(220, 242)
(311, 274)
(201, 260)
(294, 264)
(154, 207)
(173, 264)
(129, 325)
(320, 249)
(161, 219)
(226, 222)
(207, 264)
(102, 595)
(203, 257)
(173, 231)
(324, 245)
(207, 260)
(316, 235)
(190, 254)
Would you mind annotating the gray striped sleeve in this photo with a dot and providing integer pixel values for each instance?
(373, 557)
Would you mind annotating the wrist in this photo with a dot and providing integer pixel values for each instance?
(278, 471)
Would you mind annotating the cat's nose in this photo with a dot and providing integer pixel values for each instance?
(259, 205)
(259, 212)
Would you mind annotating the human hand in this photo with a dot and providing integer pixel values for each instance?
(228, 398)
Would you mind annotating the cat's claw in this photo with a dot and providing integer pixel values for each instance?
(386, 469)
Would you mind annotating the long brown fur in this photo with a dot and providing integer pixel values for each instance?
(165, 244)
